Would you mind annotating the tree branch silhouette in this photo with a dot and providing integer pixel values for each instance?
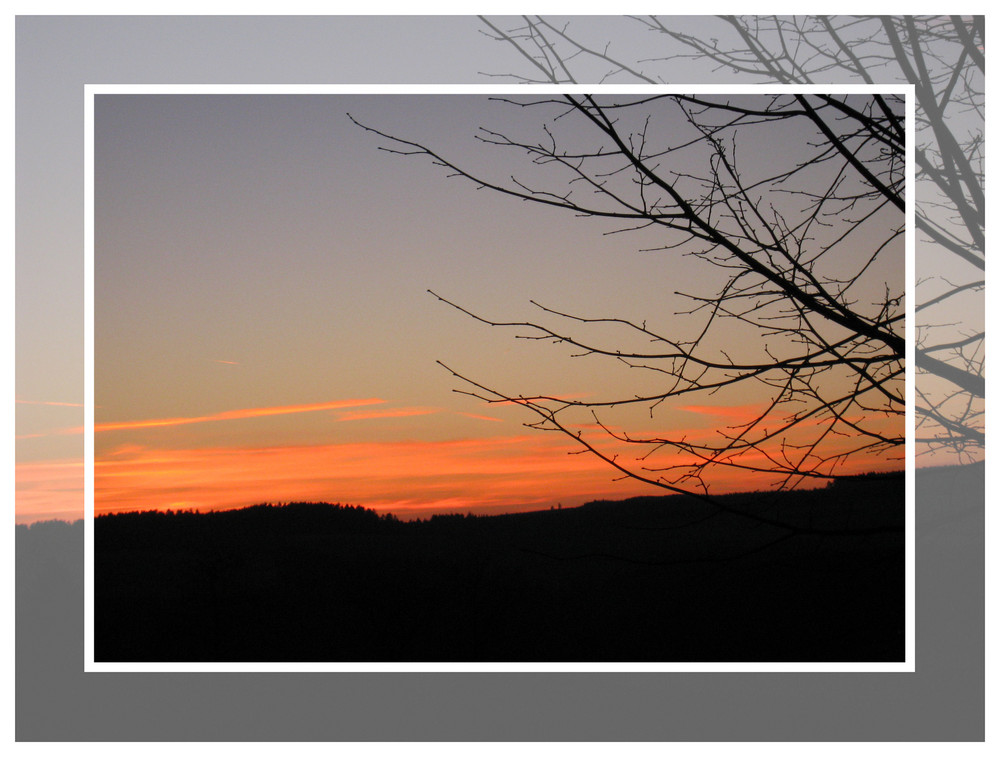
(942, 56)
(798, 238)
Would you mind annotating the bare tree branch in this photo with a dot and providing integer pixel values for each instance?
(943, 58)
(798, 238)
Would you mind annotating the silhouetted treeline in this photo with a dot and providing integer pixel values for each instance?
(156, 527)
(803, 576)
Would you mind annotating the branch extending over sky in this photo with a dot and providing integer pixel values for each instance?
(797, 202)
(942, 56)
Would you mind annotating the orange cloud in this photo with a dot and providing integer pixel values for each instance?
(250, 412)
(738, 413)
(403, 412)
(481, 417)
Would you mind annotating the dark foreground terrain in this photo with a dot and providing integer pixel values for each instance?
(647, 579)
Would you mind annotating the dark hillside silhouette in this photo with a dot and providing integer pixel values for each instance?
(813, 576)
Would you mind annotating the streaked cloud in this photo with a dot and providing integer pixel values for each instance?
(481, 417)
(402, 412)
(727, 411)
(228, 415)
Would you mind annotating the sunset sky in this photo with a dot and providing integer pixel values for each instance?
(263, 331)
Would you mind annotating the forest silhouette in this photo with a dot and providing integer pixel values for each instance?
(814, 575)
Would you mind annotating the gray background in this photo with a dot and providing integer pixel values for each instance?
(55, 700)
